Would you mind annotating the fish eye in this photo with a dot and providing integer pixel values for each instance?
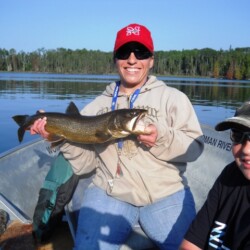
(134, 113)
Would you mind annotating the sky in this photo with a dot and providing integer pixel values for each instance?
(28, 25)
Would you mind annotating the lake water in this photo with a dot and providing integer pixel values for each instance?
(25, 93)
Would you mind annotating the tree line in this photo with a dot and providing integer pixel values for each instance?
(229, 64)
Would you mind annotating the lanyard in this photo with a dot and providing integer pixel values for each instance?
(115, 96)
(113, 104)
(131, 103)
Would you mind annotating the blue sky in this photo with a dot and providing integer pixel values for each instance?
(92, 24)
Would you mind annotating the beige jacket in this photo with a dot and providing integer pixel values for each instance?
(148, 174)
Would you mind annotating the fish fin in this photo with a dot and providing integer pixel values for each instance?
(55, 140)
(20, 132)
(103, 137)
(56, 143)
(20, 120)
(72, 109)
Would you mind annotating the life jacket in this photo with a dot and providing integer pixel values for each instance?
(57, 190)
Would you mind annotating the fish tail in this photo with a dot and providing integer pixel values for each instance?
(21, 121)
(20, 133)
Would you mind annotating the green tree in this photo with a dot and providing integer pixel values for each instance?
(216, 70)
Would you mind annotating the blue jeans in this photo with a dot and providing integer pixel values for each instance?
(105, 222)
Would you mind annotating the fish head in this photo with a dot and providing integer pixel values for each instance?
(128, 121)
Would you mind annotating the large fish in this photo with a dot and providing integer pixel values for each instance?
(74, 127)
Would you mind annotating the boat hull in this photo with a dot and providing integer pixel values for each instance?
(23, 171)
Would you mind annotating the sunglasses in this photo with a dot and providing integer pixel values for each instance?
(140, 54)
(239, 137)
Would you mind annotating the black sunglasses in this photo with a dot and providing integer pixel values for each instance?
(239, 137)
(140, 54)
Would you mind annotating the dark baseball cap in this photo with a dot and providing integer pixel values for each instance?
(241, 119)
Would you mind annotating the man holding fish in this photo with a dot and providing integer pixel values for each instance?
(137, 178)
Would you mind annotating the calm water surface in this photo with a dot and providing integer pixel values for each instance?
(25, 93)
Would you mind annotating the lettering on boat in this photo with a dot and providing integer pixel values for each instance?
(215, 142)
(224, 145)
(210, 140)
